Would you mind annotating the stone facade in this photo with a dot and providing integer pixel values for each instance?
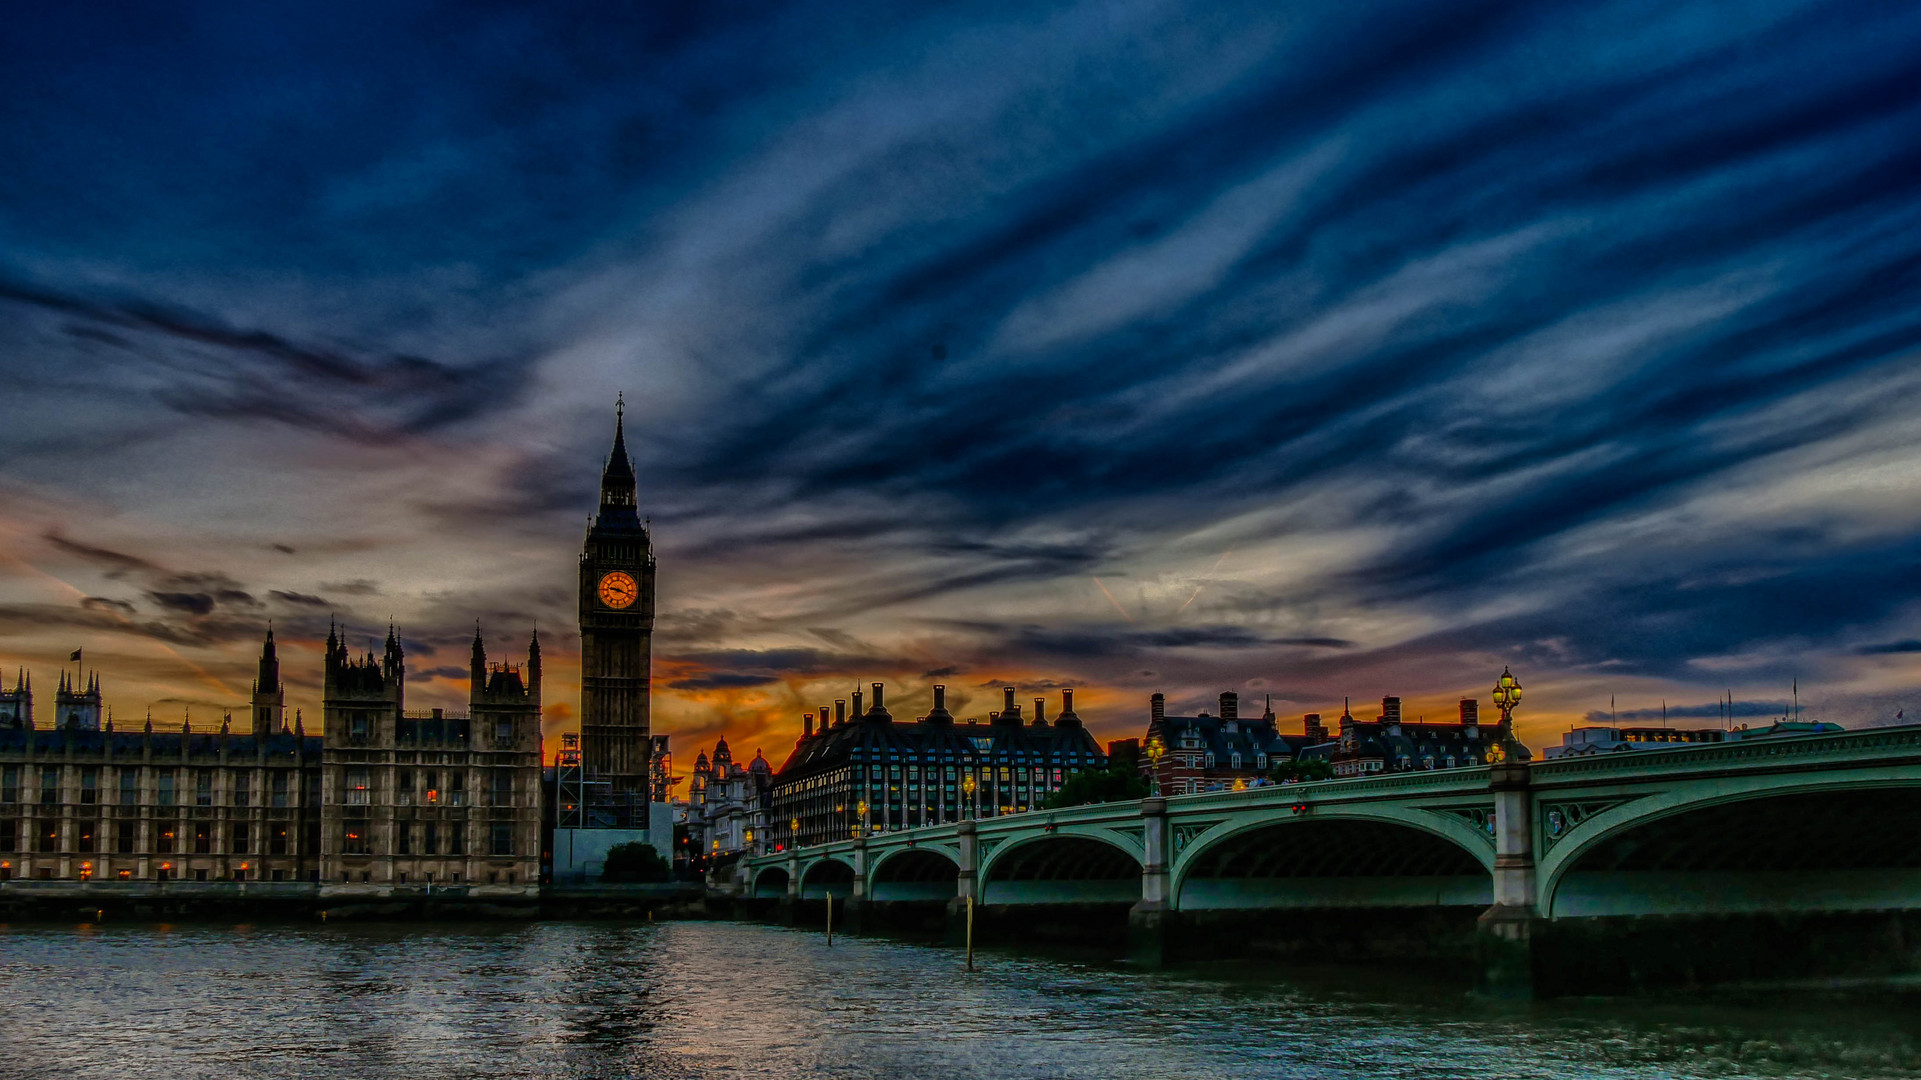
(729, 805)
(418, 799)
(909, 774)
(82, 802)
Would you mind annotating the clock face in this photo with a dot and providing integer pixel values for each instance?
(617, 590)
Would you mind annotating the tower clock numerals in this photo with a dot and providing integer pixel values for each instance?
(618, 589)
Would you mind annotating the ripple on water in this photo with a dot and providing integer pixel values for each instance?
(672, 1000)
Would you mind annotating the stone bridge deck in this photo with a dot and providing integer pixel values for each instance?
(1800, 823)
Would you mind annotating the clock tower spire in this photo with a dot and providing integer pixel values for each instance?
(617, 628)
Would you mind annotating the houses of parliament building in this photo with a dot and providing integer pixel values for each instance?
(381, 799)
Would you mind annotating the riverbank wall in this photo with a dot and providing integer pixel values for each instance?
(259, 901)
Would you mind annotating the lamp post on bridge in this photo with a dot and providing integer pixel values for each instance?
(1507, 698)
(967, 785)
(1506, 930)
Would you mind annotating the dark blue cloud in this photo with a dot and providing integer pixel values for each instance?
(1540, 328)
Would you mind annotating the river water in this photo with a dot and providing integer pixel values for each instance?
(688, 999)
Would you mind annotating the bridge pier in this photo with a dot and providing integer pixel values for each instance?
(854, 918)
(787, 910)
(1505, 933)
(966, 885)
(1150, 921)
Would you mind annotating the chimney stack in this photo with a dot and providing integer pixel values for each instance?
(857, 713)
(1316, 731)
(1230, 705)
(940, 697)
(1040, 710)
(877, 695)
(1157, 707)
(840, 711)
(807, 726)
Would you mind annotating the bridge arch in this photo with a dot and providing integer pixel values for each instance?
(1061, 868)
(914, 873)
(1815, 843)
(1336, 857)
(827, 876)
(771, 882)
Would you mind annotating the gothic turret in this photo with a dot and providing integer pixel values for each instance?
(269, 699)
(477, 666)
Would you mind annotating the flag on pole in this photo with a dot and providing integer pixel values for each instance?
(75, 656)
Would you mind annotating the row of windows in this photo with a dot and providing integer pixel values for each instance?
(426, 787)
(171, 785)
(87, 871)
(164, 837)
(426, 838)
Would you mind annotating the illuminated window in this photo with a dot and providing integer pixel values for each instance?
(358, 787)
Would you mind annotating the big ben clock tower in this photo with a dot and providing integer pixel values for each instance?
(616, 628)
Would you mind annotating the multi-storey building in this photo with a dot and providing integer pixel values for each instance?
(1187, 754)
(84, 802)
(1390, 744)
(869, 773)
(422, 799)
(729, 805)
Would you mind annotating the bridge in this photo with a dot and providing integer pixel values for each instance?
(1539, 863)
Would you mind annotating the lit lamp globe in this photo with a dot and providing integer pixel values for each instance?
(1507, 697)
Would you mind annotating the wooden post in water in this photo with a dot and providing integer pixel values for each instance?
(830, 918)
(970, 933)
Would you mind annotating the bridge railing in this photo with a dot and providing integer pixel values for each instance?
(1898, 742)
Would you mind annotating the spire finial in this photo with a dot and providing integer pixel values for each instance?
(620, 406)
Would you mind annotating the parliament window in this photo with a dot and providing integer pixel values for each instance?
(430, 839)
(357, 786)
(49, 837)
(353, 839)
(90, 785)
(124, 835)
(165, 780)
(503, 731)
(10, 784)
(242, 839)
(163, 837)
(83, 836)
(49, 785)
(503, 840)
(242, 788)
(203, 838)
(203, 788)
(503, 792)
(404, 787)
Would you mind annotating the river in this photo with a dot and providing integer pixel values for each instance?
(691, 999)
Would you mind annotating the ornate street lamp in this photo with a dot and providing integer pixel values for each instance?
(861, 813)
(1156, 749)
(1507, 697)
(967, 785)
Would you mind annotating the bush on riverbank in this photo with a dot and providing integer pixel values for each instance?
(637, 862)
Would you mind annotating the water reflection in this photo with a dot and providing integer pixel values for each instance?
(668, 1000)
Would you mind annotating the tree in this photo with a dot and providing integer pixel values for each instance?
(1294, 770)
(635, 861)
(1112, 784)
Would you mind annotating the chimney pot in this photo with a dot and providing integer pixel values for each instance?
(1230, 705)
(878, 688)
(1007, 704)
(840, 711)
(1067, 701)
(1157, 707)
(1040, 710)
(940, 697)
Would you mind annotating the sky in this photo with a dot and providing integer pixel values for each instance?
(1309, 351)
